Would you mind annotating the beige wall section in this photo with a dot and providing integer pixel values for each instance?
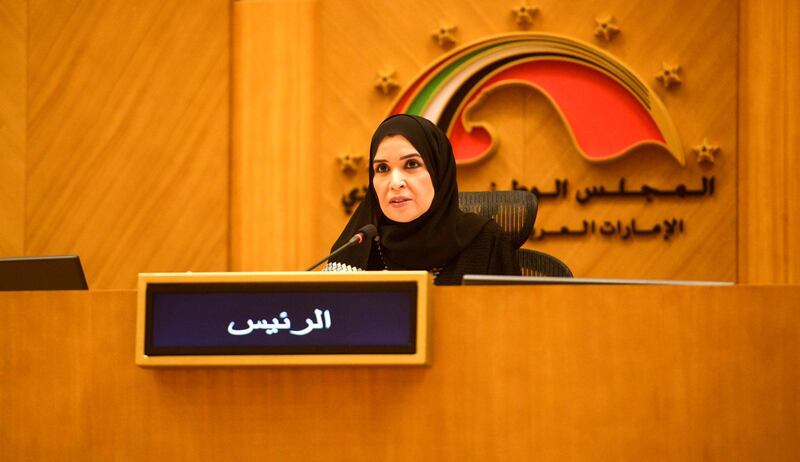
(128, 135)
(275, 171)
(638, 374)
(769, 194)
(13, 36)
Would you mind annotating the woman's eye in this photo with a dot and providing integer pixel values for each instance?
(381, 168)
(413, 163)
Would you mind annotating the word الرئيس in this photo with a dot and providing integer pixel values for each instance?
(323, 320)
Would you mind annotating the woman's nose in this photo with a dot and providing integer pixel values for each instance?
(398, 180)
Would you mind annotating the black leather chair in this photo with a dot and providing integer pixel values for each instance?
(514, 211)
(535, 263)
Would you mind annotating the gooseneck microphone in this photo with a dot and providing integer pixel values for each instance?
(365, 234)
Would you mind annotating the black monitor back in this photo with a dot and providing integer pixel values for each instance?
(42, 273)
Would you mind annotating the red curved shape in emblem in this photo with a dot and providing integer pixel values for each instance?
(604, 118)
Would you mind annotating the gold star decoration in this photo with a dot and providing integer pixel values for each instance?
(706, 152)
(669, 75)
(386, 82)
(349, 162)
(607, 28)
(444, 35)
(524, 15)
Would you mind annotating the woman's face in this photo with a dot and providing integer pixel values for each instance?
(402, 182)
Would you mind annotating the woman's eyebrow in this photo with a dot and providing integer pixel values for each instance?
(413, 154)
(404, 157)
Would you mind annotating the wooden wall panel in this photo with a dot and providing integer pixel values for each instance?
(703, 106)
(535, 147)
(128, 135)
(792, 258)
(275, 172)
(769, 98)
(13, 36)
(357, 38)
(547, 373)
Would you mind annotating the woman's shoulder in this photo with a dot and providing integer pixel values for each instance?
(490, 234)
(486, 242)
(494, 245)
(492, 229)
(490, 252)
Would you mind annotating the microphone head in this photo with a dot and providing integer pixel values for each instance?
(369, 232)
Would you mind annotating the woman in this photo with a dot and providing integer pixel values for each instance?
(413, 201)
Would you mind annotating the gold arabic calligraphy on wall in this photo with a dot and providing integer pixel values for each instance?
(625, 229)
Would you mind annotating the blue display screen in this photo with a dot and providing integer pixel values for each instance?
(281, 318)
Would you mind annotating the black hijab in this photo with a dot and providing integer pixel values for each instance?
(435, 238)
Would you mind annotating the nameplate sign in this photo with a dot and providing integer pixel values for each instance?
(292, 318)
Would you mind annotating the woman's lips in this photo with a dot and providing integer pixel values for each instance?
(399, 201)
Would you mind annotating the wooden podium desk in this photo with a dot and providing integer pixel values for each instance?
(518, 373)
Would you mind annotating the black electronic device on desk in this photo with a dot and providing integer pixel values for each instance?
(63, 272)
(487, 279)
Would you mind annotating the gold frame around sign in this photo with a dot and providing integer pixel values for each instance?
(420, 358)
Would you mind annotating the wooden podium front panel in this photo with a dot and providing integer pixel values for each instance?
(518, 373)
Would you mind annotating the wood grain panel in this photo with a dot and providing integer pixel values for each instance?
(128, 135)
(793, 142)
(275, 173)
(769, 249)
(637, 373)
(703, 106)
(13, 85)
(535, 148)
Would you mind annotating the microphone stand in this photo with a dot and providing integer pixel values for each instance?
(357, 239)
